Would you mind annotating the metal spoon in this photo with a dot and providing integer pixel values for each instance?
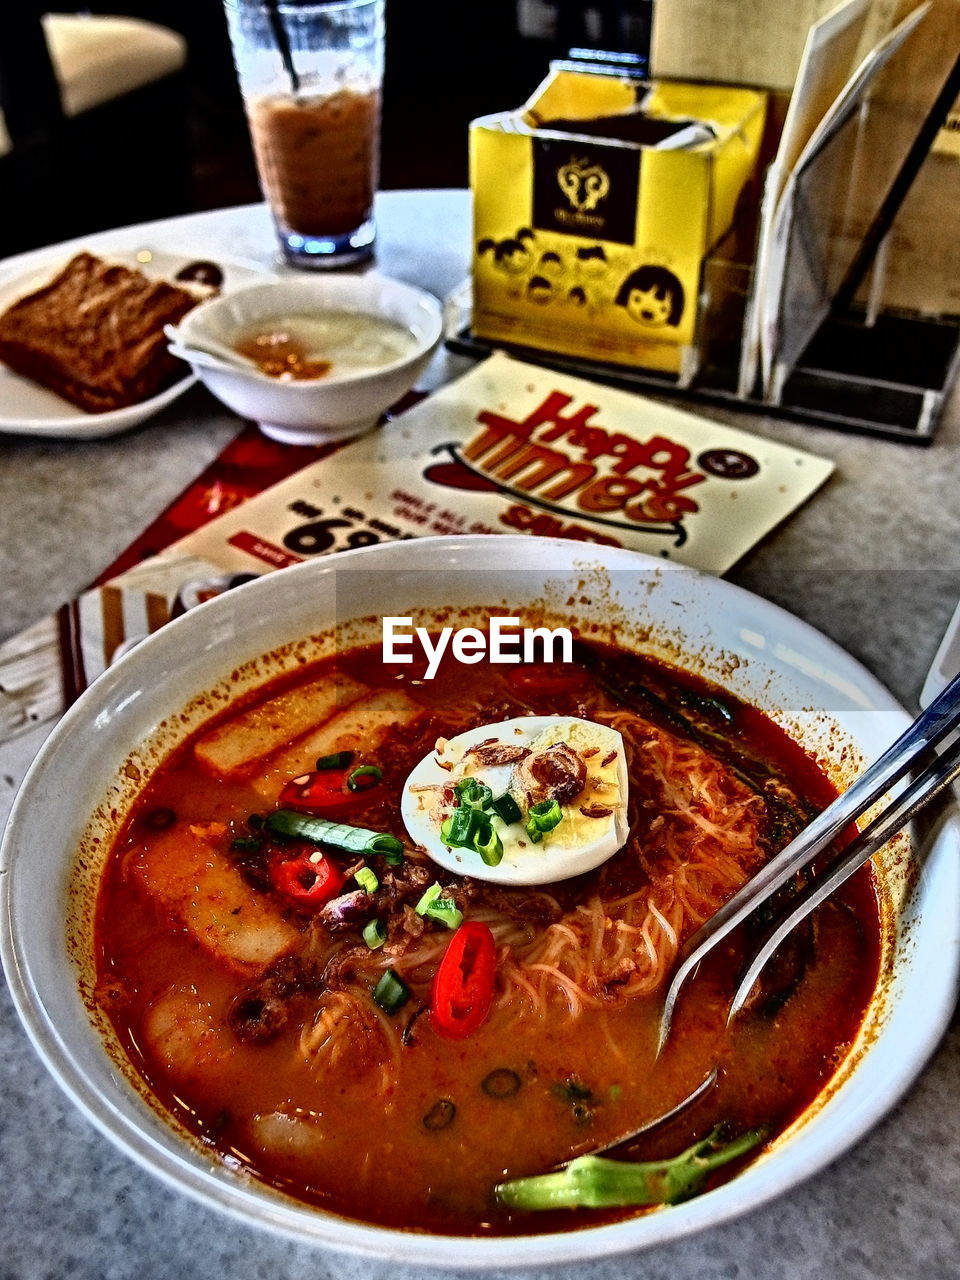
(705, 1085)
(912, 749)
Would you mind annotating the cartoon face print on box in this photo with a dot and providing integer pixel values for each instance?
(591, 261)
(550, 265)
(652, 296)
(513, 255)
(539, 290)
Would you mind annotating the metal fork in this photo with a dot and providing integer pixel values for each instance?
(936, 723)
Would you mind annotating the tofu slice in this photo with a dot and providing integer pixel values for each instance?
(360, 727)
(187, 876)
(235, 749)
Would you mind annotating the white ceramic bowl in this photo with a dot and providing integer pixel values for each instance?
(339, 405)
(126, 723)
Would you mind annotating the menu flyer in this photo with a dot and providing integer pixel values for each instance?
(513, 448)
(507, 448)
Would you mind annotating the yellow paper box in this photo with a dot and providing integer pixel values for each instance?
(593, 246)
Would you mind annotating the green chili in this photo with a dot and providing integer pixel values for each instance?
(594, 1182)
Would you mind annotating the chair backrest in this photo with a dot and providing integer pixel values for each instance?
(29, 92)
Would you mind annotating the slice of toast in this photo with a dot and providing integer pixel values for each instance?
(94, 334)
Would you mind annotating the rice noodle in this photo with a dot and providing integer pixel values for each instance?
(693, 850)
(347, 1022)
(693, 840)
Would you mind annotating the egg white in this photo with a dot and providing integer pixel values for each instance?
(577, 844)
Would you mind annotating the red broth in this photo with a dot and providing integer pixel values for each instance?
(251, 1021)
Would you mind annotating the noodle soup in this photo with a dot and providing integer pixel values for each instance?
(293, 1019)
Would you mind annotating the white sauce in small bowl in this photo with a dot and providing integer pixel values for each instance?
(325, 344)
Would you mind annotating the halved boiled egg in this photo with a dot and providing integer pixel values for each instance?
(525, 801)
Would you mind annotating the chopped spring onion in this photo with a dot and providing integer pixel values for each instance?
(473, 794)
(546, 814)
(594, 1182)
(578, 1096)
(446, 911)
(460, 828)
(572, 1090)
(435, 907)
(286, 822)
(246, 844)
(543, 816)
(391, 993)
(506, 808)
(364, 777)
(338, 760)
(468, 828)
(366, 879)
(428, 899)
(375, 934)
(489, 845)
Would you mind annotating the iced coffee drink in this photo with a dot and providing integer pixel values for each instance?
(317, 159)
(311, 73)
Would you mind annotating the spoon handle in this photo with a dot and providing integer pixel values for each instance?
(212, 355)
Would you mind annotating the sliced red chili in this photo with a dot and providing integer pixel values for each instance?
(463, 986)
(306, 883)
(326, 792)
(546, 677)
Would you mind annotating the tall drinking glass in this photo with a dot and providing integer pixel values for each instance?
(311, 76)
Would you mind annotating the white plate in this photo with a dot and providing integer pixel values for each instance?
(759, 652)
(28, 409)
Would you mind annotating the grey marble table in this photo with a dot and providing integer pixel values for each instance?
(873, 560)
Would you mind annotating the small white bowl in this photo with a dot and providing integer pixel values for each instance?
(334, 407)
